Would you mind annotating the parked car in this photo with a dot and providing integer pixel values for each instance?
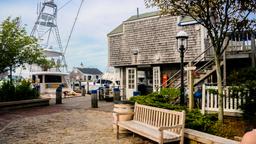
(100, 84)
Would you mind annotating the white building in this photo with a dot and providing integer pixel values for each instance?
(85, 74)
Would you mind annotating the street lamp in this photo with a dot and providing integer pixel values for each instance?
(182, 46)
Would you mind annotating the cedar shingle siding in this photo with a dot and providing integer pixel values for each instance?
(154, 38)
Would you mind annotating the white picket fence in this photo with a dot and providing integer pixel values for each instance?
(230, 104)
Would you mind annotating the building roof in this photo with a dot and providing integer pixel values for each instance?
(144, 15)
(90, 71)
(117, 30)
(185, 20)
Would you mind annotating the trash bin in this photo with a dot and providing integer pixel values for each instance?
(83, 90)
(106, 91)
(136, 93)
(122, 108)
(116, 94)
(94, 99)
(59, 94)
(87, 88)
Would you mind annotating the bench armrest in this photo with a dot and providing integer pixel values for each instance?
(171, 127)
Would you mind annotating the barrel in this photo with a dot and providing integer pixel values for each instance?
(122, 108)
(116, 94)
(94, 100)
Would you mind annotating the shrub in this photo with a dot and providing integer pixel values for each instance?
(194, 119)
(22, 91)
(171, 94)
(244, 82)
(156, 100)
(25, 91)
(7, 91)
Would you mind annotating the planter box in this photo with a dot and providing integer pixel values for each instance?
(23, 104)
(197, 137)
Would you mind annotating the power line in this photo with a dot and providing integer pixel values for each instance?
(72, 29)
(65, 4)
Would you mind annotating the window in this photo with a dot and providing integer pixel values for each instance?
(97, 77)
(89, 77)
(40, 77)
(52, 79)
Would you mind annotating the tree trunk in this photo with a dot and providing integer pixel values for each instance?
(220, 89)
(10, 74)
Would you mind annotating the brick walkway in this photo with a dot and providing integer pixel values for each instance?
(73, 122)
(68, 104)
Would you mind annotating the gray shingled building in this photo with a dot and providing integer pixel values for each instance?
(144, 48)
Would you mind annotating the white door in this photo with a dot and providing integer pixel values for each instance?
(156, 78)
(131, 81)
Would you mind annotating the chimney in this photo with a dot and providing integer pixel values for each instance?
(138, 13)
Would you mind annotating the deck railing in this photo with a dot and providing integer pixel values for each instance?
(232, 100)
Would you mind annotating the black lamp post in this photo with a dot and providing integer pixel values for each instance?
(182, 45)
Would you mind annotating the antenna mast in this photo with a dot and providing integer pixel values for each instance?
(47, 32)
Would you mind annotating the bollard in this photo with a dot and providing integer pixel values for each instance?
(94, 99)
(59, 94)
(116, 94)
(83, 90)
(87, 88)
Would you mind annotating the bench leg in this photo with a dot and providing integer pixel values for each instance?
(162, 138)
(182, 141)
(117, 132)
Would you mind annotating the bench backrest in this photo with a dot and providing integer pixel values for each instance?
(158, 117)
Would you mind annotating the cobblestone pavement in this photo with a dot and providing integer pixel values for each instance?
(72, 122)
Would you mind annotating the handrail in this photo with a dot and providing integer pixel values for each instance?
(205, 65)
(194, 60)
(202, 53)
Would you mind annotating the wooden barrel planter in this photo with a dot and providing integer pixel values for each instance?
(122, 108)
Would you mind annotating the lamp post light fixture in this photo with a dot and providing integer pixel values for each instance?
(182, 46)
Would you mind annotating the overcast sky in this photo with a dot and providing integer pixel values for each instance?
(89, 40)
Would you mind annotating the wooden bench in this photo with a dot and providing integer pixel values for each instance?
(160, 125)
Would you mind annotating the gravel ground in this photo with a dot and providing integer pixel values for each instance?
(78, 126)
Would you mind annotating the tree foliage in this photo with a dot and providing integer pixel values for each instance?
(219, 17)
(16, 47)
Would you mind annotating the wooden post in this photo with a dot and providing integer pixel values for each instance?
(190, 70)
(253, 49)
(203, 99)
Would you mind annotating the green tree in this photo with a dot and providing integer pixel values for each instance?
(16, 47)
(46, 64)
(219, 17)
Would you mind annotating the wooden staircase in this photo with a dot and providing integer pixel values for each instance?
(205, 66)
(205, 74)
